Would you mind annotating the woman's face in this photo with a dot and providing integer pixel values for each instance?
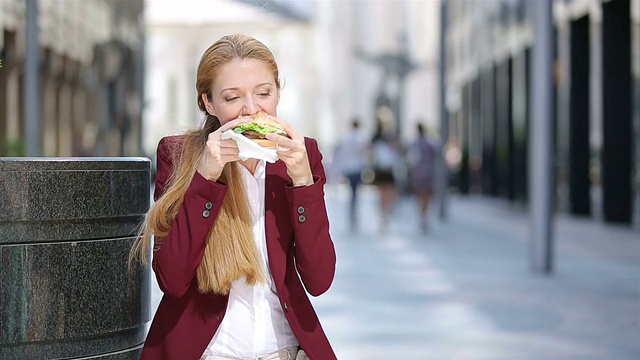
(242, 87)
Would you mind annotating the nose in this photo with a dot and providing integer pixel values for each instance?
(250, 106)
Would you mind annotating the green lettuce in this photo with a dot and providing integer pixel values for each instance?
(258, 127)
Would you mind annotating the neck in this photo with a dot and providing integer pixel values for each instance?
(250, 164)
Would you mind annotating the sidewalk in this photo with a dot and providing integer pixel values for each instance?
(465, 291)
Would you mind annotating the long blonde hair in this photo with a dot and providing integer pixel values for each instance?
(231, 252)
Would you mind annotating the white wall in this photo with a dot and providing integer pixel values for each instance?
(175, 45)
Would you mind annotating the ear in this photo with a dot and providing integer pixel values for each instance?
(278, 97)
(207, 104)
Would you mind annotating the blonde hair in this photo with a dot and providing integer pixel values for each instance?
(231, 252)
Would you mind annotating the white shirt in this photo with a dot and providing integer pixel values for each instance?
(254, 323)
(384, 154)
(352, 154)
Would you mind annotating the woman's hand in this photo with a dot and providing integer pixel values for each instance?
(218, 151)
(294, 154)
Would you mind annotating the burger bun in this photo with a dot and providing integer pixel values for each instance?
(264, 118)
(265, 143)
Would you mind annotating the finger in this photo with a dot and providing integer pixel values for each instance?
(288, 128)
(283, 141)
(226, 158)
(229, 151)
(228, 143)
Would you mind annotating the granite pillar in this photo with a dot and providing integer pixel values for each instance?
(66, 227)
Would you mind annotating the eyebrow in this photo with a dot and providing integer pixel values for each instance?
(235, 88)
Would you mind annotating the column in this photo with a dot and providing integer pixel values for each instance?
(579, 110)
(67, 228)
(541, 145)
(503, 141)
(475, 136)
(635, 40)
(463, 134)
(616, 93)
(519, 119)
(488, 132)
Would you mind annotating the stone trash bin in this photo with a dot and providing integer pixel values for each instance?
(66, 228)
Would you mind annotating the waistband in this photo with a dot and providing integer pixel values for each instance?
(288, 353)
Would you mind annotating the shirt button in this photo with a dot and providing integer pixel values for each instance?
(301, 218)
(208, 205)
(300, 209)
(206, 213)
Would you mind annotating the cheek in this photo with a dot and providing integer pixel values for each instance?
(226, 113)
(269, 105)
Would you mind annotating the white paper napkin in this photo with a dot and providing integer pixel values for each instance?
(249, 149)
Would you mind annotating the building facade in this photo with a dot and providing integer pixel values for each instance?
(90, 77)
(597, 103)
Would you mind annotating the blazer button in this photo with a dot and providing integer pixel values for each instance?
(300, 209)
(206, 214)
(286, 307)
(208, 205)
(302, 218)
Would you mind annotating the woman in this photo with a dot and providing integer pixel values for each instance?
(421, 159)
(384, 157)
(351, 157)
(237, 242)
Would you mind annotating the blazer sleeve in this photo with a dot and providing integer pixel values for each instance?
(177, 256)
(314, 250)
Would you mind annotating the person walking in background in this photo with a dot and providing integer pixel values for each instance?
(421, 157)
(385, 156)
(351, 159)
(238, 244)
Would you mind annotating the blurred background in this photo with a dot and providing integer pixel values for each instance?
(113, 77)
(530, 180)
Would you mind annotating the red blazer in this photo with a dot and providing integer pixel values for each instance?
(300, 251)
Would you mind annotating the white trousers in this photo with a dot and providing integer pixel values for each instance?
(290, 353)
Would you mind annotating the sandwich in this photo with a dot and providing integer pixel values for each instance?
(259, 127)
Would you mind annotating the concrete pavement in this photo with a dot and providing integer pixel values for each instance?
(465, 290)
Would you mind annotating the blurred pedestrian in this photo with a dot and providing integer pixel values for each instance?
(385, 157)
(421, 157)
(351, 158)
(238, 243)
